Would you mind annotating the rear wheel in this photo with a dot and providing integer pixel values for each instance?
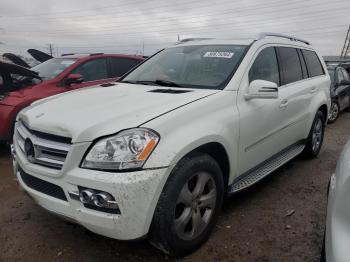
(315, 139)
(333, 112)
(188, 206)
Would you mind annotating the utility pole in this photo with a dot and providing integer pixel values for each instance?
(346, 47)
(143, 48)
(50, 47)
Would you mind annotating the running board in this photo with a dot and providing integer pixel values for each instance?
(257, 174)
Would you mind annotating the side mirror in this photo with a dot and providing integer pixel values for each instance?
(262, 89)
(74, 79)
(344, 82)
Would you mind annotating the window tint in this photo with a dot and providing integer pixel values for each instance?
(265, 67)
(1, 80)
(93, 70)
(313, 63)
(291, 67)
(122, 65)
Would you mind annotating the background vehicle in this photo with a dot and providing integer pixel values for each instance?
(194, 122)
(56, 76)
(337, 236)
(340, 91)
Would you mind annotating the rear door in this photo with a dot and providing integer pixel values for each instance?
(296, 93)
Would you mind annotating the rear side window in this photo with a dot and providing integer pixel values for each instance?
(119, 66)
(93, 70)
(291, 68)
(265, 67)
(313, 63)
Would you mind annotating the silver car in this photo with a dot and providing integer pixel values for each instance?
(337, 238)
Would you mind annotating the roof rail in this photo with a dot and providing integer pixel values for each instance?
(96, 54)
(292, 38)
(190, 40)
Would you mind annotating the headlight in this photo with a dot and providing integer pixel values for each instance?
(127, 150)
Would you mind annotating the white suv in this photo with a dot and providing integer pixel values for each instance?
(155, 154)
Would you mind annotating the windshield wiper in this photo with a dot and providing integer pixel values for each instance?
(157, 82)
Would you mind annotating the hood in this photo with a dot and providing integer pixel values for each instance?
(18, 70)
(87, 114)
(16, 59)
(38, 55)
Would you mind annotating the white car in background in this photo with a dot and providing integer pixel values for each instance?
(337, 238)
(155, 154)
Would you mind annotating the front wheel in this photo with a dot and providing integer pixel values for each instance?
(188, 206)
(315, 139)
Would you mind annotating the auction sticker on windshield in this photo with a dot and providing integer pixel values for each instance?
(219, 54)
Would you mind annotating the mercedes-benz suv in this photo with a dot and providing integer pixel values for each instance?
(154, 155)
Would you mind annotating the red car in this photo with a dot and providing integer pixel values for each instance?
(20, 86)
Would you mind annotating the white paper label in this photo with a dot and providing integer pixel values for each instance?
(219, 54)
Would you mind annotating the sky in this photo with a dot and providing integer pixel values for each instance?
(143, 27)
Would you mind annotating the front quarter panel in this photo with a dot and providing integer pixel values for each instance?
(212, 119)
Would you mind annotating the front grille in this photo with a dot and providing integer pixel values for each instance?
(42, 186)
(48, 150)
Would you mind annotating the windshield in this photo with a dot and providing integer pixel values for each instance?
(197, 66)
(53, 67)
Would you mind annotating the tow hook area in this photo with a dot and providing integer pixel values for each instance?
(96, 200)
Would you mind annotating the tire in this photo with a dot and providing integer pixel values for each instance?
(173, 228)
(315, 139)
(333, 112)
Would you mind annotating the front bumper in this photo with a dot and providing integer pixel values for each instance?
(136, 194)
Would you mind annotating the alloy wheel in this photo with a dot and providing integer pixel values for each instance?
(195, 206)
(317, 134)
(333, 112)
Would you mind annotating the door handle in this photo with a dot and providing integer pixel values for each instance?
(284, 103)
(313, 89)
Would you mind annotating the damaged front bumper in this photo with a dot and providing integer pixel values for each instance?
(135, 193)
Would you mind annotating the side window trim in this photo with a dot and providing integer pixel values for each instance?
(304, 68)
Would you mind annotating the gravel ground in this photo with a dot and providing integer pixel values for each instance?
(280, 219)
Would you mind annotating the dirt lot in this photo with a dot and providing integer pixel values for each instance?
(253, 226)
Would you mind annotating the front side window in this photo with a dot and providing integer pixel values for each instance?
(313, 63)
(122, 65)
(93, 70)
(53, 67)
(197, 66)
(265, 67)
(291, 67)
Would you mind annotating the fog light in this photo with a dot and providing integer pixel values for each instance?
(86, 196)
(101, 199)
(96, 199)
